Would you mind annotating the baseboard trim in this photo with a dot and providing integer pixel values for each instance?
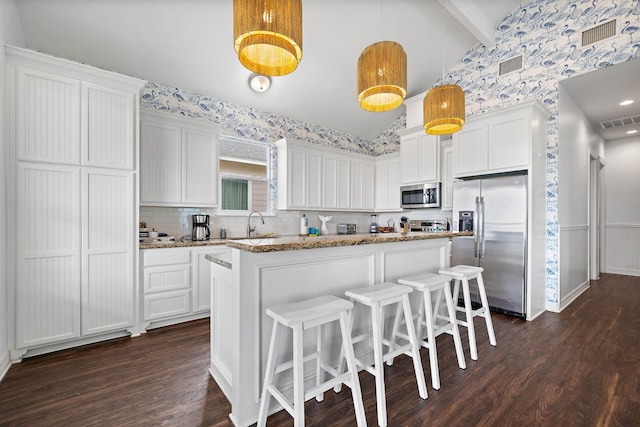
(5, 364)
(573, 295)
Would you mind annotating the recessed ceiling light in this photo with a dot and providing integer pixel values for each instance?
(627, 102)
(631, 132)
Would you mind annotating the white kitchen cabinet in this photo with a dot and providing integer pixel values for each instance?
(419, 157)
(495, 142)
(387, 182)
(175, 284)
(73, 140)
(446, 177)
(178, 161)
(323, 178)
(362, 184)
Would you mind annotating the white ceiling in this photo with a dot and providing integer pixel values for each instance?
(188, 44)
(599, 93)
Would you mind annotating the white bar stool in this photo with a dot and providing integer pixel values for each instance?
(462, 274)
(435, 322)
(300, 316)
(377, 297)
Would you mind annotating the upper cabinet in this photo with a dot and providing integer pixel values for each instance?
(419, 157)
(500, 141)
(387, 182)
(323, 178)
(178, 161)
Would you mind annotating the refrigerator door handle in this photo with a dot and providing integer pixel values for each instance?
(480, 219)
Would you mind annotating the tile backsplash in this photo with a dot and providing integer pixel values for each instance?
(176, 222)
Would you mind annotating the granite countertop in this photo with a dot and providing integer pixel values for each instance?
(220, 258)
(292, 243)
(185, 244)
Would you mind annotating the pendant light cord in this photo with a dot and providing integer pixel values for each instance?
(442, 34)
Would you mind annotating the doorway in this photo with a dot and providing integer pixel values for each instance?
(596, 214)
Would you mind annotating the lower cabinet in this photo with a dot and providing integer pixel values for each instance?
(175, 284)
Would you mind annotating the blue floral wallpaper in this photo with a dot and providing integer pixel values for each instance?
(545, 32)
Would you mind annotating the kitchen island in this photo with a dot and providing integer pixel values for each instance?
(254, 274)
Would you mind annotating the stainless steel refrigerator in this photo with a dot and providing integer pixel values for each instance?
(496, 210)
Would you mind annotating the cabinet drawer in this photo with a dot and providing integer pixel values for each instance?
(167, 277)
(152, 257)
(167, 304)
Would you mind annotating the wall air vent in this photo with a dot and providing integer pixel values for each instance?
(623, 121)
(599, 32)
(510, 65)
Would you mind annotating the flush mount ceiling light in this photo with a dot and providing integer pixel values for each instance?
(259, 83)
(443, 106)
(631, 132)
(268, 35)
(626, 102)
(382, 76)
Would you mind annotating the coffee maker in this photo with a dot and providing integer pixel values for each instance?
(200, 230)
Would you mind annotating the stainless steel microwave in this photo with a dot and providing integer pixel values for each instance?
(420, 195)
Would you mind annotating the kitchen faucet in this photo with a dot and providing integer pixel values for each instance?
(249, 227)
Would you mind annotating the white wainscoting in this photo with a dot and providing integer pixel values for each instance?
(574, 265)
(622, 253)
(5, 364)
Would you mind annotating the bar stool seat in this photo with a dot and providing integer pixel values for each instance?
(300, 316)
(377, 297)
(435, 322)
(461, 275)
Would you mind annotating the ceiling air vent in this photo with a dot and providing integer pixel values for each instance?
(510, 65)
(623, 121)
(599, 32)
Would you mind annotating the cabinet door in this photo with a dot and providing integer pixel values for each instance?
(446, 167)
(108, 279)
(297, 178)
(47, 117)
(199, 168)
(330, 182)
(362, 185)
(108, 127)
(160, 164)
(419, 154)
(343, 184)
(509, 144)
(470, 151)
(314, 180)
(393, 184)
(201, 286)
(381, 192)
(409, 158)
(47, 254)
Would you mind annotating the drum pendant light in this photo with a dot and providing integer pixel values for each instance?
(443, 106)
(443, 110)
(268, 35)
(382, 76)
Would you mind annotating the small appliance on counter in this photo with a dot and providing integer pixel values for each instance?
(428, 226)
(373, 228)
(347, 228)
(200, 229)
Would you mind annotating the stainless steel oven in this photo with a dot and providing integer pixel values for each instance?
(425, 195)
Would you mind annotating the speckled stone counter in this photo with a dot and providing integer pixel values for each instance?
(293, 243)
(180, 244)
(220, 258)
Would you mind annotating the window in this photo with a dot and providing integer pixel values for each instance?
(245, 170)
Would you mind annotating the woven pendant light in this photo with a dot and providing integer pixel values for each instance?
(268, 35)
(382, 76)
(443, 110)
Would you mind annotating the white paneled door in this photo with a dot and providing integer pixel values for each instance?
(48, 254)
(108, 287)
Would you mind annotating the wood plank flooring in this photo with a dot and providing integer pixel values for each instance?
(577, 368)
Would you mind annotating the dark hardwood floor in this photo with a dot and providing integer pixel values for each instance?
(577, 368)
